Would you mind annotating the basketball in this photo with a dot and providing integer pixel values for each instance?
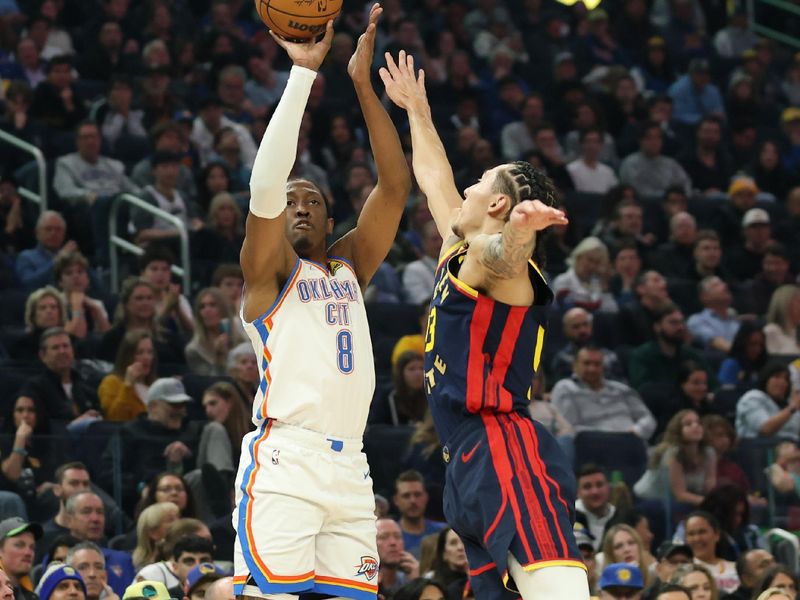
(298, 19)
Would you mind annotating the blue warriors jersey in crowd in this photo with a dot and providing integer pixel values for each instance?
(488, 350)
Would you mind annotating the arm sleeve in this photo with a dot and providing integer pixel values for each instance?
(278, 149)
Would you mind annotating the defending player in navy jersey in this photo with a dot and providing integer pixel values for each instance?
(304, 514)
(509, 490)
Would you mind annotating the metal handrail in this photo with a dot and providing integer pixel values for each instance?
(41, 197)
(115, 241)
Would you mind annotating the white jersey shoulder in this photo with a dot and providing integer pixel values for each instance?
(314, 352)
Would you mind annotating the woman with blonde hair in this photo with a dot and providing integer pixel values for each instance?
(783, 320)
(44, 308)
(123, 392)
(697, 580)
(151, 529)
(214, 337)
(683, 463)
(585, 284)
(621, 544)
(775, 594)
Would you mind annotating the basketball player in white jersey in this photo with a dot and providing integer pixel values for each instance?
(304, 510)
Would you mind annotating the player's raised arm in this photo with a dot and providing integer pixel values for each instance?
(374, 234)
(431, 167)
(266, 255)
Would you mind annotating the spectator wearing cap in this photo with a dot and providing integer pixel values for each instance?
(61, 582)
(751, 567)
(621, 581)
(716, 325)
(147, 590)
(694, 95)
(56, 101)
(167, 136)
(587, 172)
(670, 556)
(163, 194)
(727, 217)
(155, 441)
(708, 164)
(654, 72)
(209, 121)
(775, 271)
(790, 119)
(17, 544)
(744, 260)
(648, 171)
(588, 554)
(200, 579)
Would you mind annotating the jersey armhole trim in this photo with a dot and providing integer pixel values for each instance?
(281, 296)
(445, 256)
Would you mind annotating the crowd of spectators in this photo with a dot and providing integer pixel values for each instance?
(672, 133)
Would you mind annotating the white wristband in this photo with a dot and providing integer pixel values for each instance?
(278, 149)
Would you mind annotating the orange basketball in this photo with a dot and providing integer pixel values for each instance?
(298, 19)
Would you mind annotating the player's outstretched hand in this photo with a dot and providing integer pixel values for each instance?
(535, 215)
(401, 82)
(308, 54)
(360, 63)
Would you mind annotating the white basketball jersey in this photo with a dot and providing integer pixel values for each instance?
(315, 353)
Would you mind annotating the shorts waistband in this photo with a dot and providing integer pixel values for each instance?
(314, 440)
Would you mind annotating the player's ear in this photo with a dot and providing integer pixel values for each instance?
(499, 205)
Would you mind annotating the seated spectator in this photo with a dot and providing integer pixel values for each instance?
(186, 555)
(397, 565)
(771, 410)
(405, 401)
(517, 138)
(214, 337)
(750, 566)
(17, 541)
(783, 320)
(587, 172)
(593, 508)
(728, 216)
(229, 279)
(589, 402)
(168, 487)
(155, 441)
(627, 266)
(151, 528)
(167, 136)
(771, 177)
(775, 271)
(200, 579)
(228, 152)
(716, 326)
(421, 589)
(691, 392)
(674, 258)
(627, 223)
(163, 194)
(121, 125)
(220, 239)
(425, 456)
(621, 544)
(450, 563)
(636, 320)
(729, 505)
(577, 324)
(173, 308)
(29, 451)
(243, 369)
(411, 499)
(418, 275)
(56, 101)
(682, 465)
(70, 272)
(702, 535)
(670, 556)
(136, 309)
(123, 391)
(61, 391)
(44, 308)
(779, 578)
(708, 165)
(694, 95)
(721, 436)
(18, 122)
(708, 257)
(746, 357)
(88, 560)
(745, 259)
(34, 267)
(650, 172)
(660, 360)
(620, 580)
(585, 283)
(698, 580)
(60, 582)
(221, 439)
(209, 121)
(17, 222)
(784, 473)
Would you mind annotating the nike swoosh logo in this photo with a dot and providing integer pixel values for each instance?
(467, 456)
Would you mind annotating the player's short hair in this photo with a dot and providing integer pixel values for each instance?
(409, 476)
(325, 199)
(192, 543)
(521, 181)
(62, 470)
(587, 469)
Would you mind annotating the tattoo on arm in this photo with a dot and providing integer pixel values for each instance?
(506, 255)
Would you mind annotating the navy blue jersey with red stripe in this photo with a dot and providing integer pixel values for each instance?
(480, 354)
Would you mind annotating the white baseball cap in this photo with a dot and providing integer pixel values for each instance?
(168, 389)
